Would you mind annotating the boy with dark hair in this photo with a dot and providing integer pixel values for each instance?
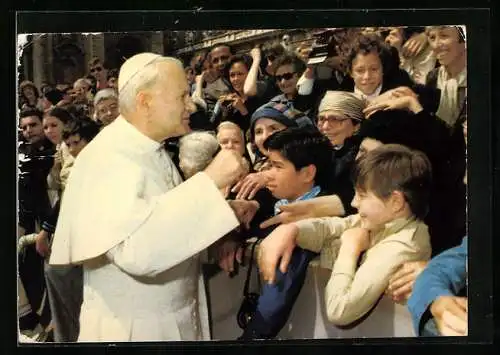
(363, 250)
(300, 163)
(78, 134)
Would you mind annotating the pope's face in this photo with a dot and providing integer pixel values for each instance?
(171, 103)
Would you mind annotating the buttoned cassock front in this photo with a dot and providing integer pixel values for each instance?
(138, 230)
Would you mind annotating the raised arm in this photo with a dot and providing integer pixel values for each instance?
(250, 86)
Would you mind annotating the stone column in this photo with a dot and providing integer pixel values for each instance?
(157, 43)
(49, 59)
(93, 45)
(98, 46)
(38, 60)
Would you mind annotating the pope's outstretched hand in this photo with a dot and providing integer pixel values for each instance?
(227, 168)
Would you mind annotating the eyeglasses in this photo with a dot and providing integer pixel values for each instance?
(105, 110)
(98, 69)
(331, 119)
(286, 76)
(220, 59)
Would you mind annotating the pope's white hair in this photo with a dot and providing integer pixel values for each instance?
(196, 151)
(143, 79)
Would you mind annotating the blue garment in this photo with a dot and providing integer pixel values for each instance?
(445, 275)
(276, 301)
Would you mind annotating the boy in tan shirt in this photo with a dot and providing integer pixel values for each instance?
(363, 250)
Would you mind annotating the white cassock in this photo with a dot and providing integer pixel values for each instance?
(138, 230)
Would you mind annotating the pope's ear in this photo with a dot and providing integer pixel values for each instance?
(143, 100)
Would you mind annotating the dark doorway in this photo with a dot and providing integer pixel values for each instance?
(124, 47)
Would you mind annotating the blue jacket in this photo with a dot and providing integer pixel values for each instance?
(445, 275)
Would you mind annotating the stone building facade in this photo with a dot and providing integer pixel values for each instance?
(63, 58)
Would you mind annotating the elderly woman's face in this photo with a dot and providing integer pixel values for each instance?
(107, 110)
(335, 126)
(366, 71)
(264, 127)
(445, 44)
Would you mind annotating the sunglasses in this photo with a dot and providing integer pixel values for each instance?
(96, 69)
(286, 76)
(220, 59)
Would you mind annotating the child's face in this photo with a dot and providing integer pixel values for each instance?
(367, 72)
(374, 212)
(75, 144)
(231, 139)
(285, 182)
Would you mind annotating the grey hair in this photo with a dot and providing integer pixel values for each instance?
(348, 103)
(144, 79)
(82, 80)
(105, 94)
(229, 125)
(196, 151)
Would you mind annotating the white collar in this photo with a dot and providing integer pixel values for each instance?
(368, 97)
(136, 140)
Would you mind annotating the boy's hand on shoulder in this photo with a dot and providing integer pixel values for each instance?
(450, 314)
(402, 281)
(356, 238)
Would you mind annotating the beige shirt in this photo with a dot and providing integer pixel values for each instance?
(353, 291)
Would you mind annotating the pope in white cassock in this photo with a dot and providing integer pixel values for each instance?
(131, 221)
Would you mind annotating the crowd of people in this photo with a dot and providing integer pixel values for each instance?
(352, 153)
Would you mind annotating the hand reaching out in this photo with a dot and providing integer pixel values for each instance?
(244, 210)
(247, 187)
(450, 314)
(402, 281)
(316, 207)
(415, 45)
(229, 251)
(399, 103)
(277, 245)
(42, 243)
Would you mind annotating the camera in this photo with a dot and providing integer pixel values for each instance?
(226, 102)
